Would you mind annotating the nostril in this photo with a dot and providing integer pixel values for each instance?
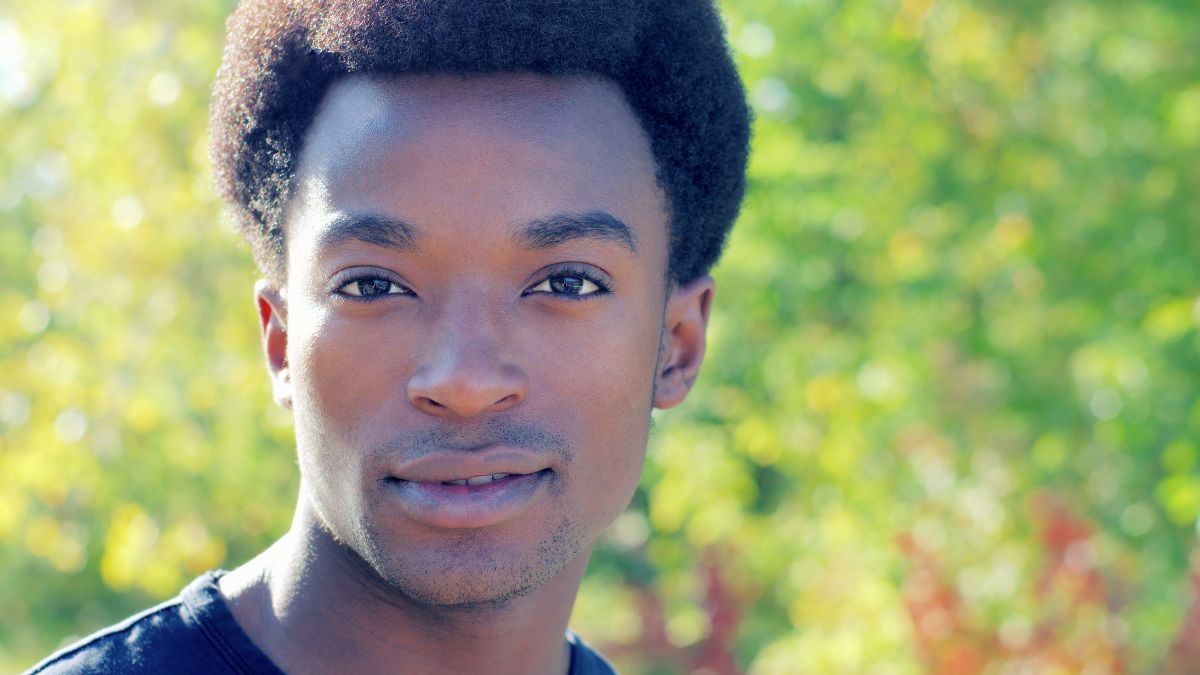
(466, 391)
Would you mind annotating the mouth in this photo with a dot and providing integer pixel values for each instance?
(469, 489)
(480, 481)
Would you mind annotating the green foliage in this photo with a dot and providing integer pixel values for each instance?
(949, 415)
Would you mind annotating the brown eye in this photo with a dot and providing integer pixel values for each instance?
(371, 287)
(567, 284)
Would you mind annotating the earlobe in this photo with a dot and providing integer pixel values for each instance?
(683, 342)
(272, 318)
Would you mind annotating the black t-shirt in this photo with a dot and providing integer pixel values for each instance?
(195, 632)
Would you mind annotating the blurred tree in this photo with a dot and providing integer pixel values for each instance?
(948, 421)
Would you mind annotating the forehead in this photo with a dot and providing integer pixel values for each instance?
(397, 110)
(496, 148)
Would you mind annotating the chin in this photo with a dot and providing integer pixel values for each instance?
(470, 571)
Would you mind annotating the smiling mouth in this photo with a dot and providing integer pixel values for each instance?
(477, 501)
(473, 481)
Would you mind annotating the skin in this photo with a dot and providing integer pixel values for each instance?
(480, 336)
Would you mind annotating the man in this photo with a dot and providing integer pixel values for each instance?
(485, 230)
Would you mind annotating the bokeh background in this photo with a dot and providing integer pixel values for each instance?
(949, 419)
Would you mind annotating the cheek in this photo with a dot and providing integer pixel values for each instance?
(605, 363)
(608, 395)
(340, 381)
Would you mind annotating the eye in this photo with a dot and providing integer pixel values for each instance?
(371, 287)
(571, 283)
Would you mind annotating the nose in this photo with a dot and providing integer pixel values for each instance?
(466, 372)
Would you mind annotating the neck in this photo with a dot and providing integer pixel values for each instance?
(314, 606)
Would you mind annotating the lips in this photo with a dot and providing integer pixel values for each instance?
(464, 465)
(469, 489)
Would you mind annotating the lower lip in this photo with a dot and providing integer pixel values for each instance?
(467, 506)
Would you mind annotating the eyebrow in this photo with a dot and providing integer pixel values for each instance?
(542, 233)
(371, 229)
(563, 227)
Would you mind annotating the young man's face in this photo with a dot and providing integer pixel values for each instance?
(476, 289)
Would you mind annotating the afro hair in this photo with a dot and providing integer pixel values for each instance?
(669, 57)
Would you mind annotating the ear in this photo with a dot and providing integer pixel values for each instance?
(683, 341)
(272, 318)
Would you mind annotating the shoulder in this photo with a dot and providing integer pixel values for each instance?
(177, 636)
(585, 660)
(129, 646)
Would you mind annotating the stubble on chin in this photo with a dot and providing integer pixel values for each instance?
(468, 571)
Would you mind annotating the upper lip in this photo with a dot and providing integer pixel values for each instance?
(446, 465)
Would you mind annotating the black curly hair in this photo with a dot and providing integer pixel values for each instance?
(668, 56)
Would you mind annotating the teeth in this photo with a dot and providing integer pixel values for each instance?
(477, 480)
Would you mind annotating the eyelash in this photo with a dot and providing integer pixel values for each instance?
(602, 283)
(367, 275)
